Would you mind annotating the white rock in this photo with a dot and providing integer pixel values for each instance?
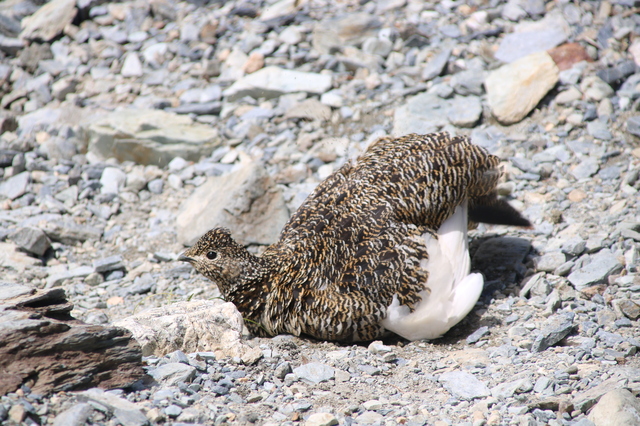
(131, 67)
(112, 180)
(272, 81)
(195, 326)
(513, 90)
(616, 408)
(49, 20)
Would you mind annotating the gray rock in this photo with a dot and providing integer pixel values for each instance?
(599, 130)
(556, 328)
(61, 88)
(377, 46)
(468, 82)
(508, 389)
(49, 20)
(156, 186)
(601, 265)
(205, 108)
(74, 416)
(574, 246)
(32, 240)
(243, 201)
(513, 90)
(465, 111)
(125, 411)
(173, 411)
(272, 81)
(464, 385)
(529, 38)
(633, 125)
(536, 285)
(550, 261)
(586, 168)
(15, 186)
(282, 370)
(69, 232)
(422, 114)
(173, 373)
(436, 65)
(57, 279)
(11, 45)
(107, 264)
(477, 335)
(314, 372)
(148, 137)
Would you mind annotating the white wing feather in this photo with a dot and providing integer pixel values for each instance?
(450, 293)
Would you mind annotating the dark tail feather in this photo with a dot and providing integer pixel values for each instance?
(498, 212)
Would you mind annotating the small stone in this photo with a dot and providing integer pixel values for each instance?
(513, 90)
(586, 168)
(132, 66)
(61, 88)
(464, 385)
(321, 419)
(49, 20)
(173, 373)
(369, 418)
(599, 130)
(173, 411)
(32, 240)
(556, 328)
(477, 335)
(601, 265)
(574, 246)
(314, 372)
(112, 180)
(156, 186)
(465, 111)
(378, 348)
(568, 96)
(15, 186)
(533, 37)
(633, 125)
(372, 405)
(282, 370)
(629, 308)
(550, 261)
(74, 416)
(252, 356)
(126, 412)
(436, 65)
(272, 81)
(107, 264)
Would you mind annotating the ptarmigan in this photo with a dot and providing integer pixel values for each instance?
(380, 245)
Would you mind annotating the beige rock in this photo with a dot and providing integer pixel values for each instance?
(311, 109)
(616, 408)
(12, 258)
(195, 326)
(49, 20)
(245, 201)
(148, 137)
(346, 30)
(513, 90)
(321, 419)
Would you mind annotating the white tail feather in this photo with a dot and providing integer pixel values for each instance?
(450, 292)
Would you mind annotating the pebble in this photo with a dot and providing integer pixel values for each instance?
(596, 271)
(321, 419)
(464, 385)
(173, 373)
(314, 372)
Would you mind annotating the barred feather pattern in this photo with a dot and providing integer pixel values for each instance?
(354, 243)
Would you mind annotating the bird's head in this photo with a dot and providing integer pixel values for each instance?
(220, 258)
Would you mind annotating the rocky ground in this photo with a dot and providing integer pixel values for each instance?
(128, 129)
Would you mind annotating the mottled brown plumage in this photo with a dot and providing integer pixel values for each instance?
(356, 241)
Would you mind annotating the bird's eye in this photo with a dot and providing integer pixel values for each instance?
(212, 255)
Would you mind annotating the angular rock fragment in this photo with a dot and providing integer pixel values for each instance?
(37, 333)
(244, 201)
(515, 89)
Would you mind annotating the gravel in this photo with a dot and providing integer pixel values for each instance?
(113, 115)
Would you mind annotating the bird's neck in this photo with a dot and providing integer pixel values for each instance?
(249, 290)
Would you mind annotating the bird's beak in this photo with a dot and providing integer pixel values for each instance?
(183, 258)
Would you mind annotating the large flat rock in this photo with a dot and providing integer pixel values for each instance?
(148, 137)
